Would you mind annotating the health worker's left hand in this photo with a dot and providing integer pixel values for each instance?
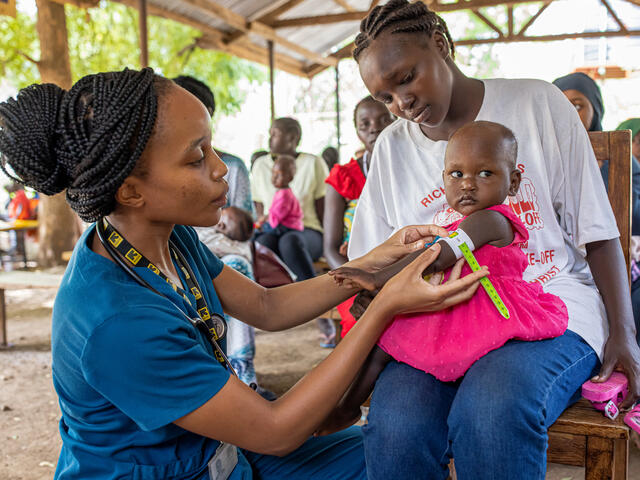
(404, 241)
(621, 352)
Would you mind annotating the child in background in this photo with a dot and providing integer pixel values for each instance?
(285, 213)
(479, 173)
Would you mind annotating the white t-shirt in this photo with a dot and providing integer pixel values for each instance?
(561, 200)
(307, 185)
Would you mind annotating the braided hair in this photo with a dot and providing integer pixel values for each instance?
(86, 140)
(399, 16)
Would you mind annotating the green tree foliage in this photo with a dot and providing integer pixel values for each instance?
(106, 38)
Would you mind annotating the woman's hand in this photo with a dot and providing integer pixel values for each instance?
(404, 241)
(621, 352)
(408, 292)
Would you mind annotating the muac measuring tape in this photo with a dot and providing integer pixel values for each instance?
(475, 266)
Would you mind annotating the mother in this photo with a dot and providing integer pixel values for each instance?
(143, 392)
(494, 421)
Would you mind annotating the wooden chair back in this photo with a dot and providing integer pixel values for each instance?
(615, 147)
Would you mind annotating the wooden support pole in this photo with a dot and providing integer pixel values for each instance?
(271, 80)
(144, 37)
(510, 19)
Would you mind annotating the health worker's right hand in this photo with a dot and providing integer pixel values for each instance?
(408, 292)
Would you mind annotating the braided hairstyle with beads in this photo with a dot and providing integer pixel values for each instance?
(86, 140)
(399, 16)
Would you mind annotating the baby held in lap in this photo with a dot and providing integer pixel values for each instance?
(479, 173)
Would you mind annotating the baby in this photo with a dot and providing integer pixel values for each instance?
(231, 235)
(479, 173)
(285, 213)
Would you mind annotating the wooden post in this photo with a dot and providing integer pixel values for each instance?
(271, 81)
(57, 231)
(3, 321)
(338, 107)
(144, 43)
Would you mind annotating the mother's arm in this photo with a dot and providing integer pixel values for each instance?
(609, 272)
(238, 415)
(290, 305)
(333, 224)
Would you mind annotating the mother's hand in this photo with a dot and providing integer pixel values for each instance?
(408, 292)
(622, 352)
(404, 241)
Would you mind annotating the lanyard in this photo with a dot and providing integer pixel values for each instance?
(211, 325)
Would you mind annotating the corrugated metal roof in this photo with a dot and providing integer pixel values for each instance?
(243, 27)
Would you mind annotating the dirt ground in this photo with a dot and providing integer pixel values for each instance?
(29, 412)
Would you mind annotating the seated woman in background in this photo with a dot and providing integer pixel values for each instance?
(583, 92)
(298, 249)
(344, 185)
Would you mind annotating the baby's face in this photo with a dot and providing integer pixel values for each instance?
(229, 225)
(476, 177)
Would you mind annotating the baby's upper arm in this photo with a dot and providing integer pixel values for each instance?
(488, 227)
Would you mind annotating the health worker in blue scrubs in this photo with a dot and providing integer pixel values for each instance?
(144, 386)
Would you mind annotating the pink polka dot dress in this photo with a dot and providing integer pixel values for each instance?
(446, 343)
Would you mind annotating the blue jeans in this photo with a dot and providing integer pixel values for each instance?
(336, 456)
(493, 421)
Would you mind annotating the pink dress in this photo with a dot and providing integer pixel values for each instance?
(285, 210)
(446, 343)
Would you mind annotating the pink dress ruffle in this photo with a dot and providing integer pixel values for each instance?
(446, 343)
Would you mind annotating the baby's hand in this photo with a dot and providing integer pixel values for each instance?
(354, 278)
(343, 249)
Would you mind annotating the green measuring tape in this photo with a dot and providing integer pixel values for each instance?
(484, 281)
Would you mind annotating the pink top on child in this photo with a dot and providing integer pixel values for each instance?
(446, 343)
(285, 210)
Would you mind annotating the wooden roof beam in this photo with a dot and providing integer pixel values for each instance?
(344, 4)
(475, 4)
(488, 22)
(534, 17)
(267, 15)
(344, 52)
(284, 8)
(319, 19)
(240, 23)
(622, 26)
(634, 2)
(254, 53)
(547, 38)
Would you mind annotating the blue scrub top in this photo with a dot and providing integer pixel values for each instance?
(126, 364)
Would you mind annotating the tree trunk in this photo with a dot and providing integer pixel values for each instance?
(57, 231)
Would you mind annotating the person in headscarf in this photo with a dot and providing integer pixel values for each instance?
(583, 92)
(585, 95)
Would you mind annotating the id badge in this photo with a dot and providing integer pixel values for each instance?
(223, 462)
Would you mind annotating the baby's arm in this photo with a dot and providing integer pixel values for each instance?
(483, 227)
(347, 412)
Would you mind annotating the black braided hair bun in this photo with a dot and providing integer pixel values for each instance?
(86, 140)
(28, 138)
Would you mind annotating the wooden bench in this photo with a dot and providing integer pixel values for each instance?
(18, 280)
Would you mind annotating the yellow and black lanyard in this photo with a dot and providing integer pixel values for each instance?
(211, 325)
